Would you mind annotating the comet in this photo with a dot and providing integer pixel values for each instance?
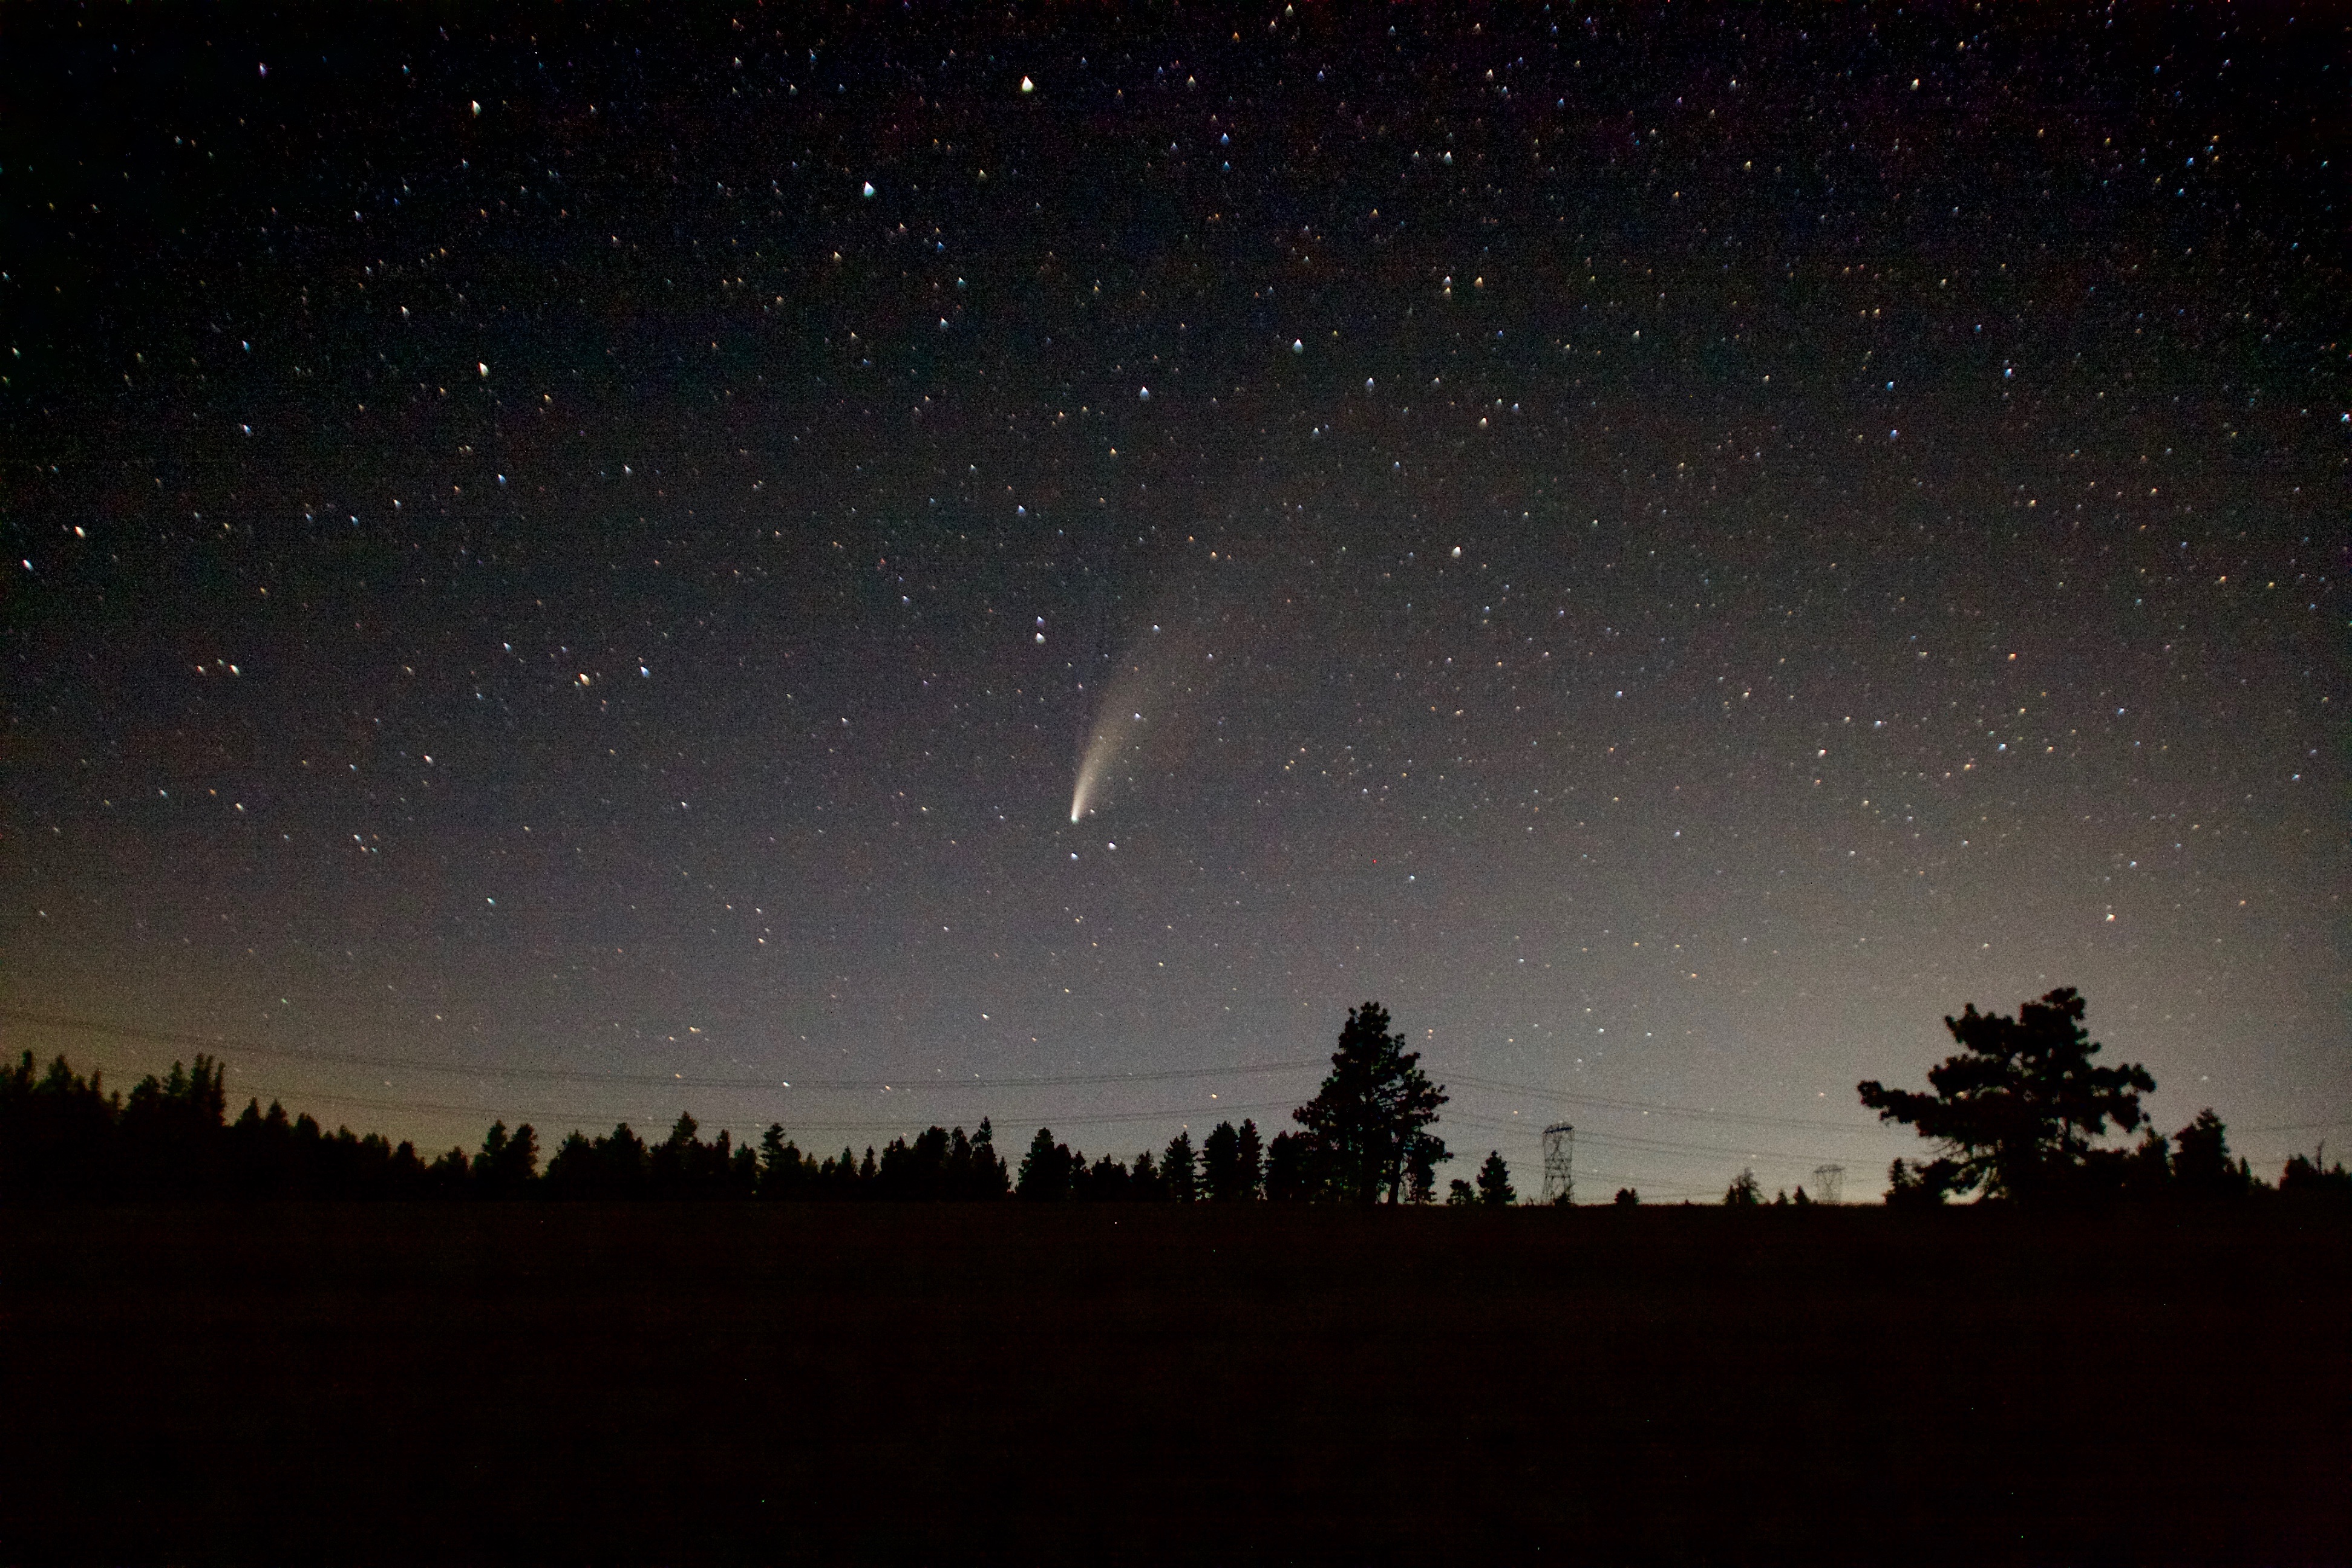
(1136, 702)
(1113, 734)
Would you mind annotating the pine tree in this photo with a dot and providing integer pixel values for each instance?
(1178, 1173)
(1368, 1120)
(1045, 1169)
(1293, 1173)
(1249, 1160)
(507, 1163)
(990, 1179)
(1143, 1183)
(2017, 1109)
(1495, 1182)
(1229, 1163)
(2202, 1167)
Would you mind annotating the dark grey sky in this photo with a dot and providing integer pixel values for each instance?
(579, 561)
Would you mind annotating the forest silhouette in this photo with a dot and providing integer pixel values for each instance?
(2014, 1114)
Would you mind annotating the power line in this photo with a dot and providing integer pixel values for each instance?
(912, 1083)
(907, 1083)
(1654, 1107)
(797, 1126)
(1646, 1145)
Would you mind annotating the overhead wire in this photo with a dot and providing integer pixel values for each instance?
(909, 1081)
(906, 1082)
(797, 1125)
(1651, 1106)
(913, 1083)
(1648, 1145)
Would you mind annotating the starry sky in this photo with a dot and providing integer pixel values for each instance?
(865, 566)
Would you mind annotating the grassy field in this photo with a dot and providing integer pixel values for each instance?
(1021, 1384)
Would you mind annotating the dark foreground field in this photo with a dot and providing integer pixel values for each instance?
(1011, 1383)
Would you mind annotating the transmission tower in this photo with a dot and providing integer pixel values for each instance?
(1829, 1182)
(1559, 1164)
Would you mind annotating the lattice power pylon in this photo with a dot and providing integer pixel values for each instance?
(1829, 1184)
(1559, 1164)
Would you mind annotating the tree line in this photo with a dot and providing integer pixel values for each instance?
(1364, 1138)
(2016, 1118)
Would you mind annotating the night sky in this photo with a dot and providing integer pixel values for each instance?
(582, 563)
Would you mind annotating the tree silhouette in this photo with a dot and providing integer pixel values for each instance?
(2017, 1109)
(612, 1167)
(1229, 1158)
(404, 1173)
(984, 1177)
(625, 1161)
(1219, 1158)
(261, 1150)
(1495, 1182)
(2309, 1179)
(446, 1177)
(1293, 1173)
(1460, 1194)
(837, 1177)
(911, 1172)
(784, 1171)
(1179, 1171)
(941, 1166)
(2202, 1167)
(1744, 1191)
(570, 1170)
(1045, 1169)
(1249, 1160)
(1370, 1119)
(1917, 1184)
(1626, 1199)
(1421, 1154)
(1109, 1180)
(169, 1132)
(683, 1167)
(57, 1132)
(507, 1163)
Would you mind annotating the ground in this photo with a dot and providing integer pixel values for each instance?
(1022, 1384)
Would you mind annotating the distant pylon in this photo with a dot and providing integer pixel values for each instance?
(1559, 1164)
(1829, 1182)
